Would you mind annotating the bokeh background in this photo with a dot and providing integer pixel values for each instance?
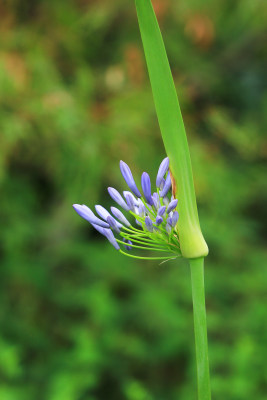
(78, 320)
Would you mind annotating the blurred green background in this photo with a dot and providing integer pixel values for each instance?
(78, 320)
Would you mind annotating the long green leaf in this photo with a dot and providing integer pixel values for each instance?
(173, 131)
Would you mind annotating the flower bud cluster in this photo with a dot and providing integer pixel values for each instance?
(154, 214)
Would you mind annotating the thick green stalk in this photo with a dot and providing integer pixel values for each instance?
(172, 129)
(200, 325)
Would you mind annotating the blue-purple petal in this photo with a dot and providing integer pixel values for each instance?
(169, 221)
(108, 234)
(175, 218)
(156, 200)
(172, 205)
(141, 210)
(165, 201)
(128, 177)
(116, 196)
(149, 224)
(167, 186)
(103, 213)
(161, 186)
(111, 238)
(128, 244)
(88, 214)
(100, 230)
(162, 171)
(130, 201)
(146, 186)
(168, 228)
(161, 211)
(136, 201)
(159, 220)
(113, 224)
(118, 214)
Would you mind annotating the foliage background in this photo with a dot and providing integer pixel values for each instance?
(79, 321)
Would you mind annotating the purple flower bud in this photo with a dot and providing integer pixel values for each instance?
(141, 207)
(129, 248)
(113, 224)
(141, 210)
(87, 214)
(169, 221)
(175, 218)
(127, 244)
(108, 234)
(138, 222)
(165, 201)
(146, 186)
(103, 213)
(162, 184)
(127, 175)
(130, 201)
(161, 211)
(156, 201)
(118, 214)
(149, 224)
(136, 201)
(159, 220)
(162, 171)
(99, 229)
(172, 205)
(115, 195)
(168, 228)
(167, 186)
(111, 238)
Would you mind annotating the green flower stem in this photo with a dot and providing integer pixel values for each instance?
(143, 247)
(148, 258)
(144, 238)
(139, 236)
(132, 230)
(200, 325)
(156, 246)
(150, 210)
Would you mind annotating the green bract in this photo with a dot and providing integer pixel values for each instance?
(172, 128)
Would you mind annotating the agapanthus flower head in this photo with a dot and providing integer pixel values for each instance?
(151, 221)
